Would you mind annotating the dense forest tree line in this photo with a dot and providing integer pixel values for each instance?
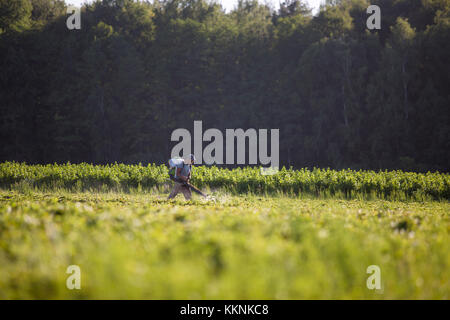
(341, 95)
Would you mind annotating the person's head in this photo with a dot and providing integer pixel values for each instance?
(190, 159)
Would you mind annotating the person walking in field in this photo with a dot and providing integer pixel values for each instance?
(180, 172)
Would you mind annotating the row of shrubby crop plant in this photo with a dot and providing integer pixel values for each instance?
(319, 182)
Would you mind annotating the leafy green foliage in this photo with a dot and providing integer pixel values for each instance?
(317, 182)
(341, 95)
(14, 15)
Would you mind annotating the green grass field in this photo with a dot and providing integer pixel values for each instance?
(138, 245)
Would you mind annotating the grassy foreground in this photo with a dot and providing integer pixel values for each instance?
(248, 247)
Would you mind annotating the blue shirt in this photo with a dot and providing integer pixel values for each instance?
(185, 170)
(179, 163)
